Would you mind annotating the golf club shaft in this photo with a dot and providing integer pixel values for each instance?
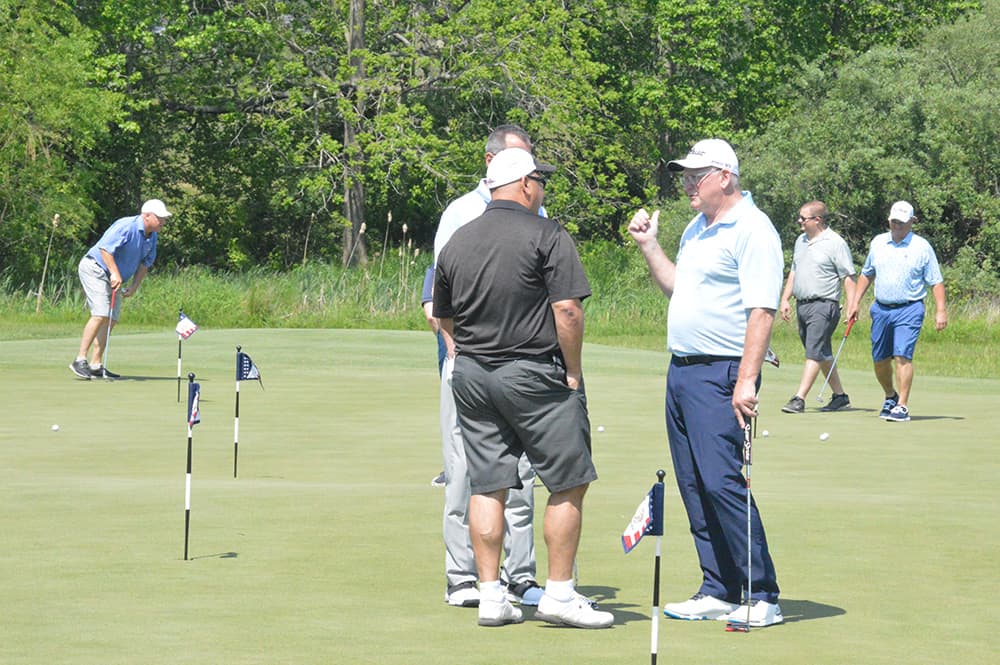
(836, 357)
(107, 338)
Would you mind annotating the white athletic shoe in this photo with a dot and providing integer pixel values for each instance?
(463, 595)
(699, 607)
(762, 613)
(498, 613)
(578, 612)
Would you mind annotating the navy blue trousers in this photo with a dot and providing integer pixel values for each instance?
(706, 445)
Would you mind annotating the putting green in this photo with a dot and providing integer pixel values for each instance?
(327, 548)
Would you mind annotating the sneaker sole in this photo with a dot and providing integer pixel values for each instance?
(784, 410)
(559, 621)
(465, 603)
(496, 623)
(693, 617)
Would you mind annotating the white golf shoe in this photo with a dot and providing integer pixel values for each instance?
(498, 613)
(699, 607)
(762, 613)
(578, 612)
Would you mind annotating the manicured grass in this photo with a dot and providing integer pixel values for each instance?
(327, 548)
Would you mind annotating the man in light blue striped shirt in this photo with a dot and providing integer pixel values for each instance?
(902, 265)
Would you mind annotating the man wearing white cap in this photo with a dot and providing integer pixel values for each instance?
(519, 567)
(126, 250)
(724, 291)
(508, 292)
(902, 265)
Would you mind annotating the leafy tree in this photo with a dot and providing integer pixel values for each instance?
(53, 114)
(894, 123)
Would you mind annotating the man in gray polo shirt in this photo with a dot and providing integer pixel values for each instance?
(821, 260)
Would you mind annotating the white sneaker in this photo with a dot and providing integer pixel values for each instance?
(498, 613)
(762, 613)
(578, 612)
(463, 595)
(699, 607)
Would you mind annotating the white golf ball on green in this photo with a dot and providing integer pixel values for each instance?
(824, 436)
(55, 428)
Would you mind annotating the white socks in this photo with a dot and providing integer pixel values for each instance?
(561, 591)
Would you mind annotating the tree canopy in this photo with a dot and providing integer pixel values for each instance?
(277, 128)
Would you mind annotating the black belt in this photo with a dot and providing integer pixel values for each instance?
(897, 305)
(806, 301)
(684, 361)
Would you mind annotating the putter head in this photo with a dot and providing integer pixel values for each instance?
(772, 357)
(737, 627)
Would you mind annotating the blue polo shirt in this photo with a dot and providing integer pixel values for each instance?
(723, 270)
(126, 240)
(903, 270)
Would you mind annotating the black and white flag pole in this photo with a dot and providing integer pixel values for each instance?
(193, 418)
(648, 521)
(236, 419)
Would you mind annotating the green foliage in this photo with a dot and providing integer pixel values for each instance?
(53, 115)
(895, 123)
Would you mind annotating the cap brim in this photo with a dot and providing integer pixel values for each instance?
(545, 168)
(681, 164)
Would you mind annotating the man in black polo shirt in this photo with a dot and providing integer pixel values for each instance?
(508, 291)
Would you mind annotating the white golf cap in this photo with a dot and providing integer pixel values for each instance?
(513, 164)
(156, 207)
(901, 212)
(708, 153)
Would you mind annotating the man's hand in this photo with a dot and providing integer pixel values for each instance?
(744, 400)
(786, 310)
(644, 228)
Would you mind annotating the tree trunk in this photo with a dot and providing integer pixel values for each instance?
(354, 251)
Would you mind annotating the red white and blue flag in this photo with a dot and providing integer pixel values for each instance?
(194, 396)
(185, 326)
(647, 521)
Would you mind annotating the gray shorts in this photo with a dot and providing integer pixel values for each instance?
(818, 320)
(522, 406)
(97, 287)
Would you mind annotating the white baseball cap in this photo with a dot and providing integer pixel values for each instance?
(156, 207)
(901, 212)
(513, 164)
(708, 152)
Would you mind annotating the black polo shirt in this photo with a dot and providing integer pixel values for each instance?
(497, 278)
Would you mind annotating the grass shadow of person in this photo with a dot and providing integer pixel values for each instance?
(807, 610)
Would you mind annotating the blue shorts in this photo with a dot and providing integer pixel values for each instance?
(895, 329)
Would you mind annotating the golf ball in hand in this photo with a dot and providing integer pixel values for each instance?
(824, 436)
(765, 433)
(55, 428)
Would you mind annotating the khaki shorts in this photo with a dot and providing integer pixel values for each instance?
(522, 406)
(97, 287)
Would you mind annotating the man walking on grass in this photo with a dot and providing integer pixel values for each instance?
(821, 260)
(902, 265)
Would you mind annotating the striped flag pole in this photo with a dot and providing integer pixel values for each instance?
(180, 314)
(193, 417)
(236, 420)
(658, 509)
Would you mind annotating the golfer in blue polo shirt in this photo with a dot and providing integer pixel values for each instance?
(724, 291)
(125, 251)
(902, 265)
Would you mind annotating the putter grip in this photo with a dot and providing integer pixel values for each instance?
(850, 324)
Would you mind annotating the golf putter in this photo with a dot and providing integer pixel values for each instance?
(740, 626)
(833, 365)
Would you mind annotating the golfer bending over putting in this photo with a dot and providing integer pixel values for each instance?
(508, 290)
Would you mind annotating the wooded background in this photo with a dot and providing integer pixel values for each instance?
(275, 129)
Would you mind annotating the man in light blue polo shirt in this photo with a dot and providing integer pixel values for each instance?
(125, 251)
(724, 291)
(902, 265)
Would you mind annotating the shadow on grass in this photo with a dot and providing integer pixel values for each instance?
(911, 417)
(807, 610)
(220, 555)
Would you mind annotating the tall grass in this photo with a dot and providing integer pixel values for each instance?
(626, 309)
